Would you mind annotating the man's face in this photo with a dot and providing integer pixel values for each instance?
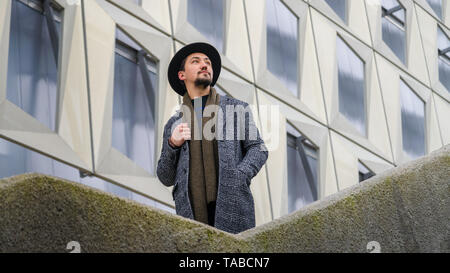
(197, 70)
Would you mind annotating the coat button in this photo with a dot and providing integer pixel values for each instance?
(184, 147)
(184, 170)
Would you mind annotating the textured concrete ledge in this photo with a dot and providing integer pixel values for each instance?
(43, 214)
(406, 209)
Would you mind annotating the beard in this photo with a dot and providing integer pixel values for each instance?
(202, 82)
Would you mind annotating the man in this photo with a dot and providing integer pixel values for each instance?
(211, 175)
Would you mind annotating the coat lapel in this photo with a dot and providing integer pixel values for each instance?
(221, 122)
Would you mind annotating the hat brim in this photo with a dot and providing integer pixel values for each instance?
(176, 61)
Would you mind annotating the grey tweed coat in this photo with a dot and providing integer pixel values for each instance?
(239, 162)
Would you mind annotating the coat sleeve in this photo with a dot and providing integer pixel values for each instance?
(167, 163)
(255, 151)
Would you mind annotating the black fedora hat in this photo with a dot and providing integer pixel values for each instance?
(176, 61)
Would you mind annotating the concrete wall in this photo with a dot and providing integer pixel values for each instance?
(406, 209)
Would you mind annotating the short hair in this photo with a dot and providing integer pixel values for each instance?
(183, 64)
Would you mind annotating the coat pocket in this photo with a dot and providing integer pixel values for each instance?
(244, 177)
(234, 178)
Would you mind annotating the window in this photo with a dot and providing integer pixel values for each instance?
(33, 59)
(393, 27)
(363, 172)
(351, 86)
(133, 130)
(16, 160)
(413, 122)
(339, 6)
(444, 58)
(282, 44)
(207, 16)
(302, 170)
(436, 5)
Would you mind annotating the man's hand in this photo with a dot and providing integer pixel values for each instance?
(180, 135)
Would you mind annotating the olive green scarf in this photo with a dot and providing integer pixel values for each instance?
(203, 164)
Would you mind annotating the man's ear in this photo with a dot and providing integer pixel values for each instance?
(181, 76)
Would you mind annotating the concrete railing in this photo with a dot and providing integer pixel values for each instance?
(405, 209)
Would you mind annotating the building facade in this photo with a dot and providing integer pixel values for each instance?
(340, 89)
